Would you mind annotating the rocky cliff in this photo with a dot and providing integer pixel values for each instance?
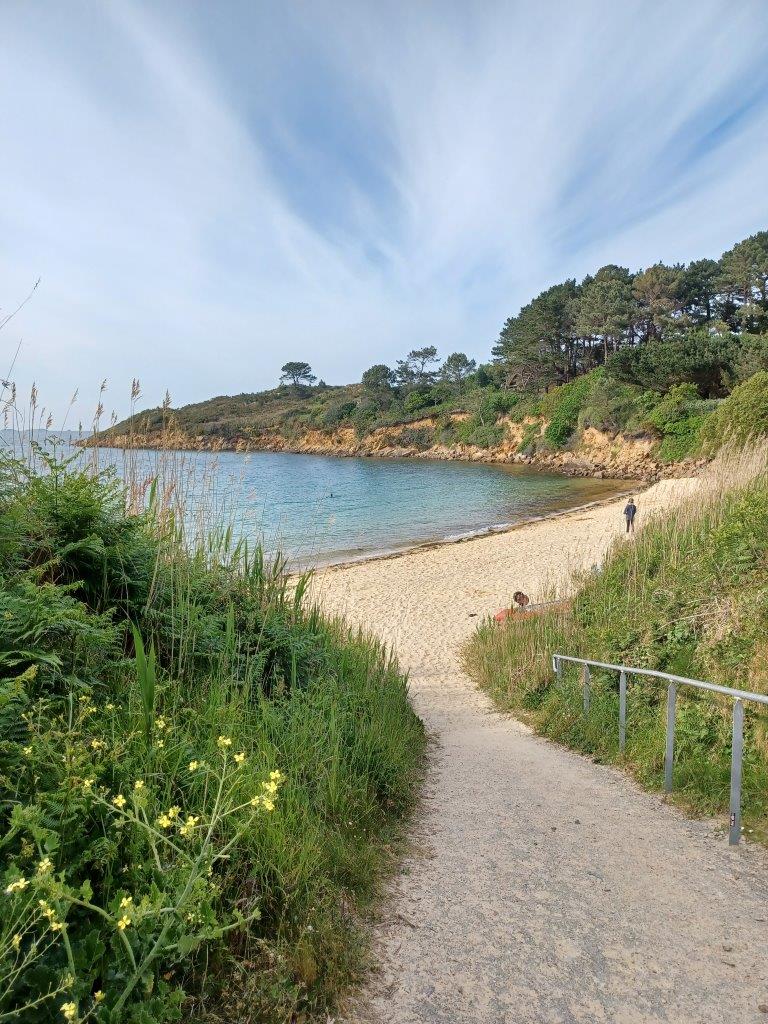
(593, 452)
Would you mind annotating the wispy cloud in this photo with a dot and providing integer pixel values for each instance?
(208, 190)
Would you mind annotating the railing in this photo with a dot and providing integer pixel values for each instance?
(737, 743)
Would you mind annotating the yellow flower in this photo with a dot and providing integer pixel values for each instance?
(69, 1010)
(194, 765)
(126, 902)
(27, 751)
(123, 923)
(239, 758)
(255, 801)
(18, 886)
(87, 784)
(56, 926)
(160, 723)
(109, 707)
(99, 996)
(160, 744)
(174, 812)
(276, 777)
(16, 941)
(223, 742)
(119, 800)
(138, 785)
(267, 804)
(189, 825)
(45, 865)
(269, 787)
(164, 821)
(98, 744)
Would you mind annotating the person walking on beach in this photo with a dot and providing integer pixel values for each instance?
(629, 514)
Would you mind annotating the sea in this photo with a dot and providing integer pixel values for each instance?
(320, 510)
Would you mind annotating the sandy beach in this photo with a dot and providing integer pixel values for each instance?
(541, 887)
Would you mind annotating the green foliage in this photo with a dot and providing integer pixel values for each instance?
(741, 417)
(562, 407)
(688, 596)
(146, 694)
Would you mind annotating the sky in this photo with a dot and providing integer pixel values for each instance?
(209, 189)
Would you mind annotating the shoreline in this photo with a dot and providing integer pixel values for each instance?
(484, 534)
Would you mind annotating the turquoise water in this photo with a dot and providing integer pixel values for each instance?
(320, 510)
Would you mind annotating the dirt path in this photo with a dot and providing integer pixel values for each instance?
(542, 887)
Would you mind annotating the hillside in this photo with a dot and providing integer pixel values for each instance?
(617, 374)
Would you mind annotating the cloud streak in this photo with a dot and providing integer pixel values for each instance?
(208, 190)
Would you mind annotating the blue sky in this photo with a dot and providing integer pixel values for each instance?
(208, 189)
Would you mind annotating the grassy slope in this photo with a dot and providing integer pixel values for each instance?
(238, 656)
(689, 595)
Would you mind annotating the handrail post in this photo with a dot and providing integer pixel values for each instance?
(669, 756)
(559, 669)
(586, 688)
(622, 710)
(737, 748)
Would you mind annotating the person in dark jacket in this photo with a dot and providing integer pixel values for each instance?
(629, 514)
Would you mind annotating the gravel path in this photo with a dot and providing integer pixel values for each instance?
(541, 887)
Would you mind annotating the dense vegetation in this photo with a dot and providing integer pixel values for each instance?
(648, 353)
(688, 596)
(200, 777)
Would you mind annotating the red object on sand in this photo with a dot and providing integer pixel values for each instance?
(504, 614)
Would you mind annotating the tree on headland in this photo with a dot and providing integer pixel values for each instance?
(456, 368)
(379, 384)
(412, 371)
(297, 373)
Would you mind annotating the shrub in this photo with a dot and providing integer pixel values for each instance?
(741, 417)
(148, 713)
(562, 406)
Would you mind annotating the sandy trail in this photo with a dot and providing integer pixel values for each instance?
(542, 887)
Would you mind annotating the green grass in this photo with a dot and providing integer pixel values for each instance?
(135, 669)
(689, 596)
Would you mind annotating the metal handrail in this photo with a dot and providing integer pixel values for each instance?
(737, 741)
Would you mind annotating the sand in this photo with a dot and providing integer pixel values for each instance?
(540, 886)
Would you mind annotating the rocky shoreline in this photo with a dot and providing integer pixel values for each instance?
(598, 454)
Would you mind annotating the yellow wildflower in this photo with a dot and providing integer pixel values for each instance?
(239, 758)
(27, 751)
(174, 812)
(119, 800)
(194, 765)
(189, 825)
(160, 744)
(126, 902)
(138, 785)
(109, 707)
(69, 1010)
(276, 777)
(269, 787)
(55, 925)
(87, 784)
(17, 886)
(16, 941)
(267, 804)
(223, 742)
(160, 723)
(45, 865)
(98, 744)
(164, 821)
(99, 996)
(123, 923)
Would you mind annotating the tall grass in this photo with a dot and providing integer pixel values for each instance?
(689, 595)
(157, 685)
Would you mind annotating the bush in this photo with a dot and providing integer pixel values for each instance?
(562, 406)
(152, 699)
(741, 417)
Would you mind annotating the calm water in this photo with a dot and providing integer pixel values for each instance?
(320, 509)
